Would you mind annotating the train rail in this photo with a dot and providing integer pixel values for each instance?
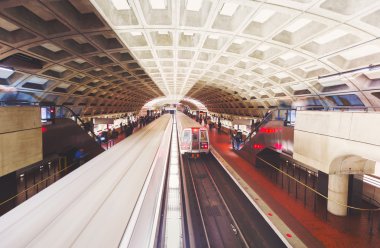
(226, 216)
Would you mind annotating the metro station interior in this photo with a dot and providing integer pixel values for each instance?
(189, 123)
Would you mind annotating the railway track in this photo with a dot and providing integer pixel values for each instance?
(225, 217)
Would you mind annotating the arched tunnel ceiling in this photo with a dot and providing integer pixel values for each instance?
(235, 56)
(77, 58)
(250, 54)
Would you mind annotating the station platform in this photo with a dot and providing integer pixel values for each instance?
(305, 224)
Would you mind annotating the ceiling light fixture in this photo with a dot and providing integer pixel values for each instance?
(121, 4)
(188, 33)
(288, 55)
(330, 36)
(363, 69)
(263, 47)
(229, 9)
(6, 72)
(213, 36)
(136, 33)
(194, 5)
(238, 41)
(297, 25)
(158, 4)
(263, 15)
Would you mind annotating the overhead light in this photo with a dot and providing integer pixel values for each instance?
(121, 4)
(194, 5)
(158, 4)
(263, 15)
(6, 72)
(297, 25)
(263, 67)
(238, 41)
(136, 33)
(229, 9)
(330, 36)
(263, 47)
(163, 32)
(282, 75)
(213, 36)
(188, 33)
(51, 47)
(363, 69)
(288, 55)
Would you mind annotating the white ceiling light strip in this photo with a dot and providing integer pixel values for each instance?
(158, 4)
(229, 8)
(194, 5)
(121, 4)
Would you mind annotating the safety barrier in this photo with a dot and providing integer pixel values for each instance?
(301, 182)
(36, 179)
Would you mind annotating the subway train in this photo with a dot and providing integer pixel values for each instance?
(194, 138)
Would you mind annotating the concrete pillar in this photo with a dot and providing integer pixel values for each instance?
(337, 192)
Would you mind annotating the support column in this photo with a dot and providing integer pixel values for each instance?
(337, 192)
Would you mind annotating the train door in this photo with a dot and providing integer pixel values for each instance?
(186, 140)
(195, 139)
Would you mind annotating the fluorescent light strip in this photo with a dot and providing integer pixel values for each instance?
(229, 9)
(330, 36)
(297, 25)
(194, 5)
(288, 55)
(238, 41)
(136, 33)
(188, 33)
(213, 36)
(263, 15)
(121, 4)
(158, 4)
(372, 180)
(5, 72)
(263, 47)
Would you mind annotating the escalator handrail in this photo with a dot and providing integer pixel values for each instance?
(255, 130)
(78, 118)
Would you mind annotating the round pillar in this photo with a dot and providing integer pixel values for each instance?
(337, 192)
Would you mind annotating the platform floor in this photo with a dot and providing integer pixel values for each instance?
(311, 228)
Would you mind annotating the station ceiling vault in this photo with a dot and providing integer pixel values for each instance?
(234, 56)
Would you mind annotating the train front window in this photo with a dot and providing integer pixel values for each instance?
(203, 136)
(195, 137)
(186, 137)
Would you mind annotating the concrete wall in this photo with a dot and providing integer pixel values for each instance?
(20, 137)
(320, 137)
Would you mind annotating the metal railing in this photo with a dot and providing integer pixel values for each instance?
(274, 114)
(37, 177)
(301, 183)
(339, 108)
(58, 111)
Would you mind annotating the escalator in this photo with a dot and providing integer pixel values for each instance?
(275, 131)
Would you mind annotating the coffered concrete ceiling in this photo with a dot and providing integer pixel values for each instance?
(234, 56)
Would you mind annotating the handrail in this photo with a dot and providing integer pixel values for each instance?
(371, 199)
(334, 108)
(313, 190)
(256, 129)
(80, 120)
(264, 121)
(75, 115)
